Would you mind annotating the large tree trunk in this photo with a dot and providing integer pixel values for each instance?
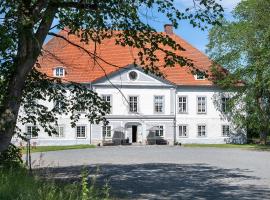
(29, 47)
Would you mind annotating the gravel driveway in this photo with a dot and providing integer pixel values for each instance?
(165, 172)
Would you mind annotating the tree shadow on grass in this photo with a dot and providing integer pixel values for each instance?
(168, 181)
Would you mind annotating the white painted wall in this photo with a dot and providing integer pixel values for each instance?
(146, 87)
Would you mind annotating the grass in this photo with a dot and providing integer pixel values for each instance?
(19, 184)
(58, 148)
(240, 146)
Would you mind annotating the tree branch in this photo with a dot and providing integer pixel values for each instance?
(78, 5)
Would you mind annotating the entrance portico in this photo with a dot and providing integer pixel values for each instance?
(134, 132)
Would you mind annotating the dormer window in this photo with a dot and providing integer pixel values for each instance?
(200, 76)
(59, 72)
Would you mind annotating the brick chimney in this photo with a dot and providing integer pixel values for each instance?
(168, 29)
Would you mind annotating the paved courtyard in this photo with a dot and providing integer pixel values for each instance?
(165, 172)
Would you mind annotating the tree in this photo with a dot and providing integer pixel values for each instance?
(25, 24)
(243, 47)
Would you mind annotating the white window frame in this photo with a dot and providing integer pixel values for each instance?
(182, 103)
(196, 76)
(58, 105)
(205, 104)
(85, 131)
(104, 98)
(224, 103)
(31, 132)
(129, 104)
(205, 130)
(58, 130)
(162, 104)
(105, 131)
(160, 129)
(222, 130)
(59, 71)
(182, 125)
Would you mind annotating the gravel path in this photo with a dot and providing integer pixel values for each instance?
(165, 172)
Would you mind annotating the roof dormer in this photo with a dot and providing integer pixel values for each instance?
(59, 71)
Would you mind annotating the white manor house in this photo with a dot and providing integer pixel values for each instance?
(145, 109)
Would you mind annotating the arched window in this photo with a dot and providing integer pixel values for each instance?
(59, 72)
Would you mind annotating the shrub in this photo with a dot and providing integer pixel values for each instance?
(11, 158)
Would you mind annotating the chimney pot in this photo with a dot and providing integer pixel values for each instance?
(168, 28)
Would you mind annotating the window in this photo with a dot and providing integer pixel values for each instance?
(225, 130)
(133, 75)
(159, 131)
(133, 104)
(201, 101)
(182, 103)
(32, 131)
(81, 131)
(158, 104)
(60, 131)
(59, 72)
(107, 131)
(183, 131)
(224, 104)
(200, 76)
(108, 99)
(202, 131)
(58, 105)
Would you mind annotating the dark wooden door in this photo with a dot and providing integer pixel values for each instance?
(134, 133)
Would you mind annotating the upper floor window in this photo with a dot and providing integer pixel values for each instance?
(159, 131)
(225, 130)
(133, 75)
(58, 105)
(60, 131)
(81, 131)
(158, 104)
(108, 99)
(107, 131)
(201, 131)
(201, 104)
(183, 131)
(31, 131)
(182, 104)
(224, 104)
(133, 104)
(59, 72)
(200, 76)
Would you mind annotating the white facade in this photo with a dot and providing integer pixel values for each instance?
(146, 124)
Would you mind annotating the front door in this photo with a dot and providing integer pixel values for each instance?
(134, 134)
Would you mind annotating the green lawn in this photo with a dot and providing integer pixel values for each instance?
(58, 148)
(242, 146)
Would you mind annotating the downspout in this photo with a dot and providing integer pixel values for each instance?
(90, 129)
(174, 121)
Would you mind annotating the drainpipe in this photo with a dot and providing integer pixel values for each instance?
(174, 121)
(90, 127)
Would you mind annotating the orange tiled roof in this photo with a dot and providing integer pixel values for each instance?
(80, 67)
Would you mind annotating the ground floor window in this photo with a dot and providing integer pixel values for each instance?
(60, 131)
(107, 131)
(81, 131)
(159, 130)
(225, 130)
(182, 131)
(32, 131)
(201, 130)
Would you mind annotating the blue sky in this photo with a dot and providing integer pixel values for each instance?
(194, 36)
